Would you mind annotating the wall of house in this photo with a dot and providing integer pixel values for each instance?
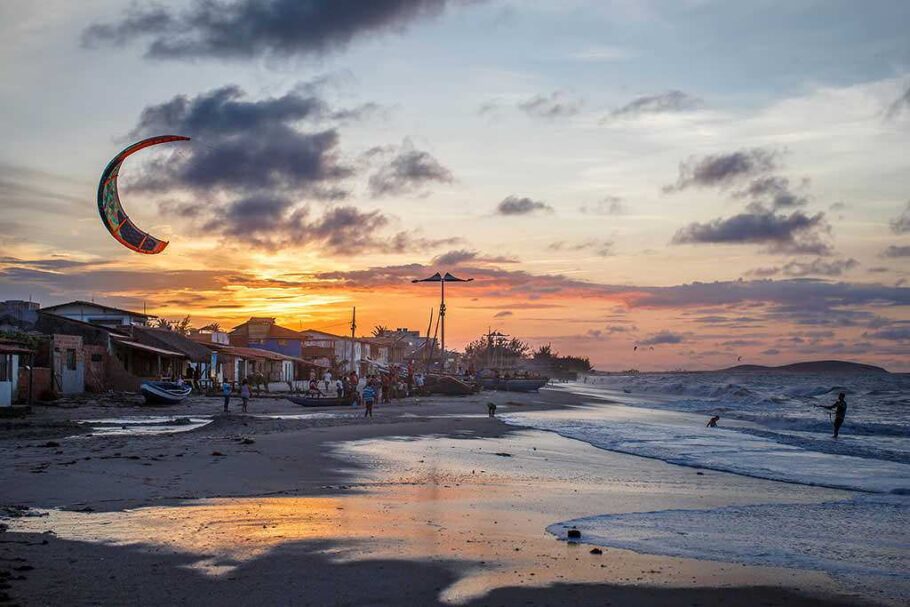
(288, 347)
(95, 358)
(41, 384)
(97, 315)
(69, 364)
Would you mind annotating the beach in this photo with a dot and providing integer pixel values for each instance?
(430, 502)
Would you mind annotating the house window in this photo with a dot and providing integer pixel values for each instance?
(71, 359)
(5, 367)
(97, 358)
(282, 342)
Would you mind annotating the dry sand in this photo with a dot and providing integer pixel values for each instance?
(429, 502)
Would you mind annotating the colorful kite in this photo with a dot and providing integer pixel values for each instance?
(114, 217)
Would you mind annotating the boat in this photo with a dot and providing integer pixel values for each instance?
(514, 384)
(164, 392)
(321, 401)
(449, 386)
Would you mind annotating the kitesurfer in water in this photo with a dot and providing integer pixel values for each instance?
(712, 423)
(840, 412)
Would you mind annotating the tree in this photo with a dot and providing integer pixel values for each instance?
(496, 351)
(213, 327)
(181, 326)
(381, 331)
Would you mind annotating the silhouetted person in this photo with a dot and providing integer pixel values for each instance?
(840, 412)
(491, 409)
(712, 423)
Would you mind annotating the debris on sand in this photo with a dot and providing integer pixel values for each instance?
(503, 454)
(218, 453)
(596, 551)
(573, 534)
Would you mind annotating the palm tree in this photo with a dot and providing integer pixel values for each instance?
(380, 330)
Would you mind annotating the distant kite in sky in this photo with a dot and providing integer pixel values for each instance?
(114, 217)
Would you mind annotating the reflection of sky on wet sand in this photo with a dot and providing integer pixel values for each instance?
(453, 502)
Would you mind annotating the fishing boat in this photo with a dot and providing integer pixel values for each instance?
(514, 384)
(164, 392)
(449, 385)
(321, 401)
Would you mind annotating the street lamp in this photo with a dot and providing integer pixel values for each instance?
(442, 280)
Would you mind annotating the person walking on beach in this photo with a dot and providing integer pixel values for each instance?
(226, 392)
(840, 412)
(245, 394)
(369, 397)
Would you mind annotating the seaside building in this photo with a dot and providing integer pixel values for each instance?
(11, 355)
(265, 334)
(97, 314)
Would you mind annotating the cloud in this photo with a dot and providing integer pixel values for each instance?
(514, 205)
(816, 267)
(900, 104)
(901, 223)
(670, 101)
(891, 334)
(663, 337)
(461, 256)
(896, 251)
(602, 248)
(503, 314)
(244, 29)
(609, 205)
(407, 171)
(723, 170)
(794, 233)
(555, 105)
(774, 191)
(246, 146)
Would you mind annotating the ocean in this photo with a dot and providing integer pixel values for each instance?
(770, 427)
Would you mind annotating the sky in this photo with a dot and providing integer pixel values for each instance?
(653, 184)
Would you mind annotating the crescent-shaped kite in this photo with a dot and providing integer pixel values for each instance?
(114, 217)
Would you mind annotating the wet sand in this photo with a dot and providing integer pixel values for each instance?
(428, 503)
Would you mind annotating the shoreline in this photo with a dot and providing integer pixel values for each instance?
(310, 458)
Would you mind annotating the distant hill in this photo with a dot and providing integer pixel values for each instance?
(814, 366)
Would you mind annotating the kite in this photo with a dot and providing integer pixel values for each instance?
(114, 217)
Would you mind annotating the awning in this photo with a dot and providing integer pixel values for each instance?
(145, 348)
(14, 349)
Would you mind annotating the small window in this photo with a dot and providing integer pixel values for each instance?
(282, 342)
(97, 358)
(5, 367)
(71, 359)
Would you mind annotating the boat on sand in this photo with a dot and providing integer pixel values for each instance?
(164, 392)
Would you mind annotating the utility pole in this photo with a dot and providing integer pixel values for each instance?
(353, 329)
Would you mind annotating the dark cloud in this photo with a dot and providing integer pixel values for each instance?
(724, 170)
(461, 256)
(406, 170)
(514, 205)
(816, 267)
(243, 29)
(273, 222)
(503, 314)
(245, 146)
(899, 333)
(609, 205)
(663, 337)
(794, 233)
(773, 191)
(670, 101)
(601, 248)
(555, 105)
(897, 251)
(901, 223)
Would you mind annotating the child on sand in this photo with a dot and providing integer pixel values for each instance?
(245, 394)
(226, 392)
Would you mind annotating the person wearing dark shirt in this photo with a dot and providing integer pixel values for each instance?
(840, 412)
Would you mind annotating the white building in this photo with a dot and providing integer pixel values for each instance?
(97, 314)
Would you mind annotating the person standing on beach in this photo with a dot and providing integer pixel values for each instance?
(840, 412)
(226, 392)
(245, 394)
(369, 396)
